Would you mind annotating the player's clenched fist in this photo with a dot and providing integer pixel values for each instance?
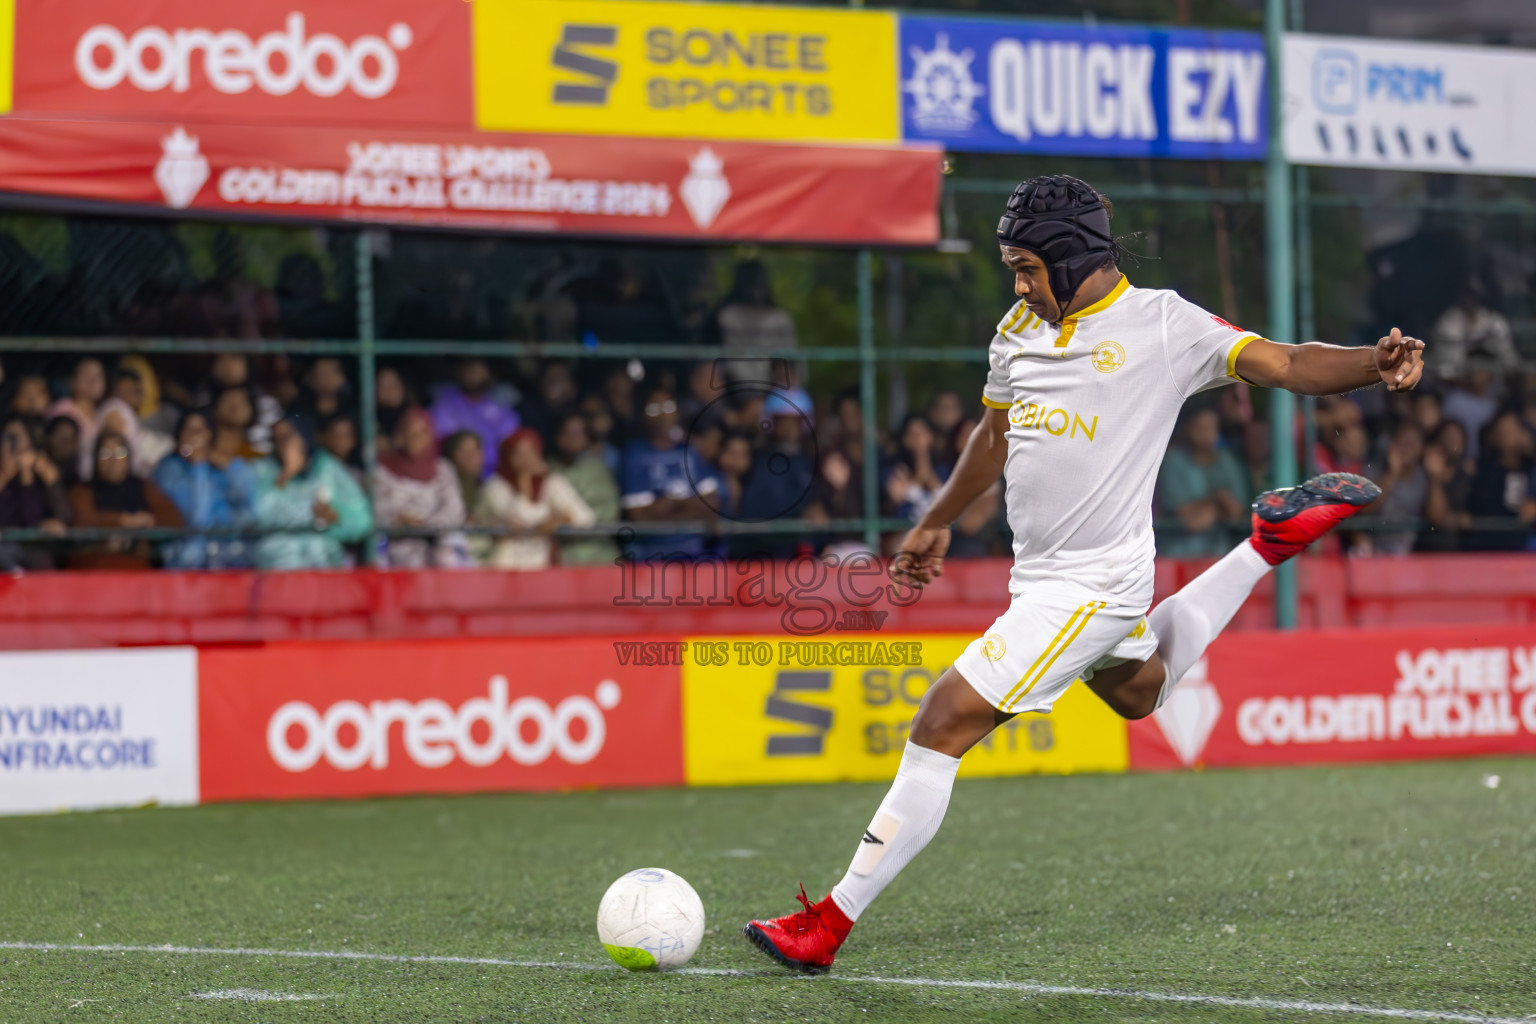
(920, 559)
(1399, 360)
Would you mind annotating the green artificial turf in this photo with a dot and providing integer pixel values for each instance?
(1408, 886)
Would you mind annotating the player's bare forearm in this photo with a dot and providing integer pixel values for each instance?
(978, 468)
(1319, 369)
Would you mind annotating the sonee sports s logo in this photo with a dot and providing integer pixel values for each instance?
(600, 74)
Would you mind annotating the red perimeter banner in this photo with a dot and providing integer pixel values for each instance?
(360, 719)
(398, 62)
(666, 188)
(1330, 696)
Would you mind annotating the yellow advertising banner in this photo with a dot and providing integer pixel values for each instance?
(709, 71)
(7, 52)
(765, 709)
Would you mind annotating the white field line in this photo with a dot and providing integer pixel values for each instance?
(1022, 987)
(256, 995)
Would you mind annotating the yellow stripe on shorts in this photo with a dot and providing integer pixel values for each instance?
(1052, 651)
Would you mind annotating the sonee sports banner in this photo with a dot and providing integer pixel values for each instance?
(1012, 86)
(718, 71)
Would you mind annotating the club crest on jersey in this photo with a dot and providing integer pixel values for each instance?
(1108, 357)
(994, 647)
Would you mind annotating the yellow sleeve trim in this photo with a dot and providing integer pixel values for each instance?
(1234, 352)
(991, 404)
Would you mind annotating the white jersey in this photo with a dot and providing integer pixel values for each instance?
(1091, 405)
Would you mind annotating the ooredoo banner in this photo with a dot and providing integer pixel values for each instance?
(1365, 695)
(665, 188)
(396, 62)
(81, 730)
(355, 719)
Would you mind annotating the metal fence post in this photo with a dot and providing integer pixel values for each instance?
(367, 400)
(867, 398)
(1280, 254)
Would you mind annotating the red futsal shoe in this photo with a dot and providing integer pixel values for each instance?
(1286, 521)
(806, 940)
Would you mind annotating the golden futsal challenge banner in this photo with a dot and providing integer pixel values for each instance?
(717, 71)
(763, 710)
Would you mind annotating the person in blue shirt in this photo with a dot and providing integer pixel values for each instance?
(209, 495)
(662, 479)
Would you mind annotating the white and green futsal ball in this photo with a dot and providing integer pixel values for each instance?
(650, 919)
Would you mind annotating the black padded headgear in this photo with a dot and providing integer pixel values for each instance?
(1062, 220)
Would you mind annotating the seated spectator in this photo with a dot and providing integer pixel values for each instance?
(944, 413)
(664, 481)
(1258, 459)
(593, 483)
(1404, 489)
(1473, 401)
(415, 486)
(779, 486)
(526, 497)
(233, 370)
(1202, 485)
(1342, 443)
(1448, 483)
(731, 470)
(32, 496)
(338, 436)
(115, 498)
(618, 392)
(308, 495)
(31, 398)
(138, 384)
(325, 393)
(1467, 329)
(208, 496)
(915, 476)
(469, 405)
(392, 400)
(594, 409)
(555, 400)
(1502, 489)
(704, 390)
(148, 446)
(61, 443)
(87, 387)
(463, 451)
(232, 413)
(1425, 406)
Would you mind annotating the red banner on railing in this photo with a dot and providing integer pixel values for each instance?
(1330, 696)
(397, 62)
(357, 719)
(538, 183)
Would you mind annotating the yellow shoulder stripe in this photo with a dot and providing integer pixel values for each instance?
(1234, 351)
(993, 405)
(1009, 323)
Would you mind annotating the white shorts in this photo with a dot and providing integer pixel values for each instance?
(1051, 636)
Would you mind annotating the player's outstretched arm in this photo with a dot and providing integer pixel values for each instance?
(921, 556)
(1319, 369)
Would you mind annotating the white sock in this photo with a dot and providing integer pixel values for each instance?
(908, 817)
(1187, 622)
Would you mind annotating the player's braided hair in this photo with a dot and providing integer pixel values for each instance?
(1062, 220)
